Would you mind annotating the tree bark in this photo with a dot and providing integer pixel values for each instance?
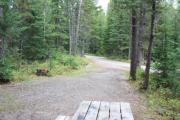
(44, 24)
(78, 25)
(1, 47)
(140, 49)
(71, 16)
(133, 67)
(74, 24)
(148, 64)
(1, 38)
(70, 36)
(57, 23)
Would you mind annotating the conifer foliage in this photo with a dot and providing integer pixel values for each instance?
(31, 30)
(139, 30)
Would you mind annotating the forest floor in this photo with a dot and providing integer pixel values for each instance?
(104, 80)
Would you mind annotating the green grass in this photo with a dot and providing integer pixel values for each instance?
(59, 64)
(166, 107)
(161, 101)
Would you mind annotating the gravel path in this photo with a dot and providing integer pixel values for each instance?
(46, 99)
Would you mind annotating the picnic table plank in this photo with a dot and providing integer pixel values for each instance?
(82, 111)
(93, 111)
(67, 118)
(103, 111)
(126, 111)
(60, 117)
(115, 113)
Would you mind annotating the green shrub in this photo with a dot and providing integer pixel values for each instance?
(140, 74)
(163, 94)
(165, 106)
(72, 62)
(6, 68)
(16, 69)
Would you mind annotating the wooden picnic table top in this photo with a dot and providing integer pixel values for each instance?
(96, 110)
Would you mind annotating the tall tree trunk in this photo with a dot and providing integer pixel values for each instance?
(70, 35)
(74, 24)
(70, 15)
(176, 35)
(73, 32)
(78, 25)
(44, 24)
(148, 64)
(1, 47)
(57, 22)
(1, 38)
(134, 46)
(82, 47)
(140, 49)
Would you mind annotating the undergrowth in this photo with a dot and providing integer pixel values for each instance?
(162, 101)
(58, 64)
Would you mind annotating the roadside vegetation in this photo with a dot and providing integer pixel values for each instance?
(163, 101)
(154, 43)
(58, 64)
(49, 35)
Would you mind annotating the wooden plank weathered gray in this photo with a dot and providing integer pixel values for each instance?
(67, 118)
(96, 110)
(115, 113)
(82, 111)
(126, 111)
(93, 111)
(103, 111)
(60, 117)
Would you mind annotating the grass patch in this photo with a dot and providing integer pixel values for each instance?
(161, 101)
(59, 64)
(166, 107)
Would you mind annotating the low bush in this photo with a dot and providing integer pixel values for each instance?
(57, 64)
(6, 68)
(162, 99)
(164, 105)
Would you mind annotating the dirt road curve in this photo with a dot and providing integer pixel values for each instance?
(46, 99)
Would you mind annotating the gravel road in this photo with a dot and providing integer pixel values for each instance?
(104, 80)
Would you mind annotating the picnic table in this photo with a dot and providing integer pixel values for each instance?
(96, 110)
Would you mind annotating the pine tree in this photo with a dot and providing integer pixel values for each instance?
(165, 50)
(117, 32)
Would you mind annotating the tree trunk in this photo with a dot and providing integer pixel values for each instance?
(140, 49)
(44, 24)
(82, 48)
(70, 36)
(74, 24)
(147, 70)
(1, 38)
(78, 24)
(73, 32)
(176, 35)
(70, 15)
(1, 47)
(134, 46)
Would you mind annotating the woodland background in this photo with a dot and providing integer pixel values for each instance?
(53, 34)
